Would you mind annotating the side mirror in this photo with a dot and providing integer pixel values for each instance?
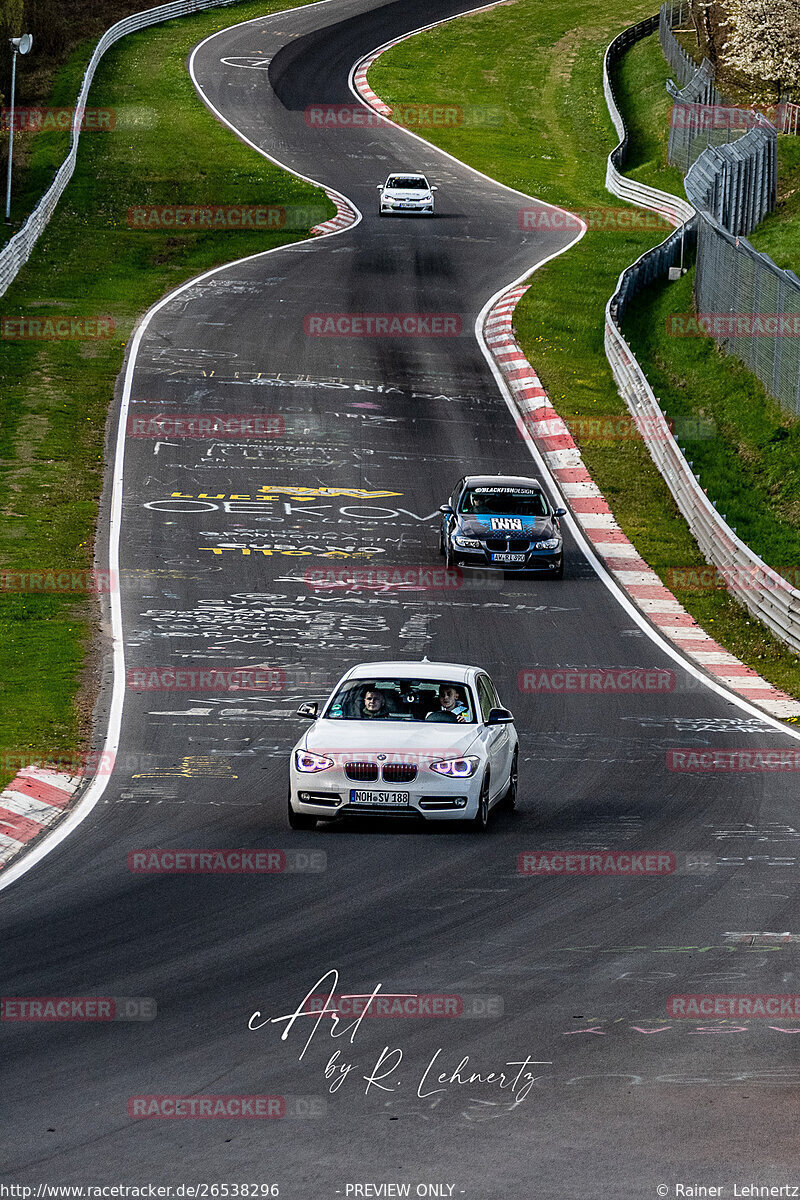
(560, 512)
(379, 186)
(499, 716)
(447, 509)
(308, 710)
(435, 188)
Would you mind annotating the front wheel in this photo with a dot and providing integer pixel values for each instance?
(559, 573)
(300, 820)
(480, 822)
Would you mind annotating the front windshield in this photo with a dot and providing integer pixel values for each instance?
(408, 183)
(509, 501)
(402, 700)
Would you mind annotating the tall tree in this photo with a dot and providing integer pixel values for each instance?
(763, 40)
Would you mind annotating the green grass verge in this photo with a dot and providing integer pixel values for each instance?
(55, 396)
(544, 67)
(778, 235)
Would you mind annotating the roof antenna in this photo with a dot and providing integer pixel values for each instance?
(425, 658)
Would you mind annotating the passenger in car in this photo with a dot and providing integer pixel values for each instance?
(451, 700)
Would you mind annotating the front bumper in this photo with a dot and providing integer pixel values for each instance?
(327, 795)
(547, 561)
(403, 208)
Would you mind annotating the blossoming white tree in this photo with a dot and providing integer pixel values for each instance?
(763, 40)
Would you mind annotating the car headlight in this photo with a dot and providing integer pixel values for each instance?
(308, 763)
(456, 768)
(466, 543)
(551, 544)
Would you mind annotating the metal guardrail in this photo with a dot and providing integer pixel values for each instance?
(675, 210)
(17, 250)
(764, 592)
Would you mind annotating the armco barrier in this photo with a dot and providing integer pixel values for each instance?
(18, 249)
(770, 599)
(676, 211)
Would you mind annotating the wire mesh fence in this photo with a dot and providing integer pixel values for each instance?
(737, 277)
(699, 118)
(744, 301)
(751, 307)
(672, 15)
(737, 184)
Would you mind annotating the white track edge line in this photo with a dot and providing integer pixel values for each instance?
(98, 785)
(584, 543)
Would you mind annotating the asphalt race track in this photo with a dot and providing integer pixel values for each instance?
(577, 971)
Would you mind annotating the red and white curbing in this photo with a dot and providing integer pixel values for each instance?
(362, 87)
(33, 802)
(588, 505)
(344, 216)
(592, 512)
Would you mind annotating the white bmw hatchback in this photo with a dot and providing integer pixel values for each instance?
(404, 739)
(406, 193)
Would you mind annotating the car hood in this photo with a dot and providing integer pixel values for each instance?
(432, 739)
(492, 527)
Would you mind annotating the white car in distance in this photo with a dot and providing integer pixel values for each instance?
(403, 739)
(406, 192)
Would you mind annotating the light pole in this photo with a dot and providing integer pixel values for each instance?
(20, 45)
